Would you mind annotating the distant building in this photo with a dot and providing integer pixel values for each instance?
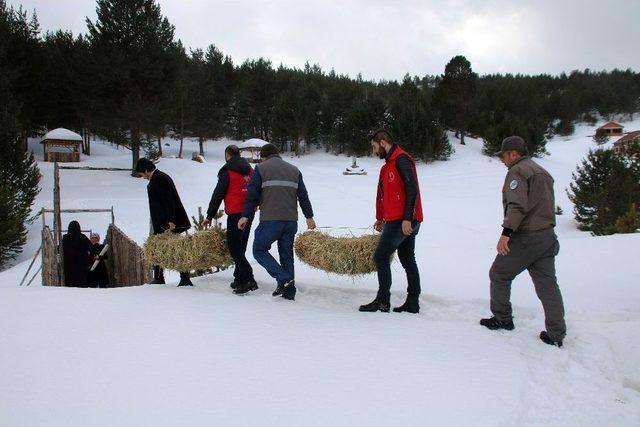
(621, 144)
(612, 129)
(250, 149)
(61, 145)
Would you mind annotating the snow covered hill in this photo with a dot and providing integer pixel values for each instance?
(161, 355)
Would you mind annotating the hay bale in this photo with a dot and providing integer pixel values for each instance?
(198, 251)
(341, 255)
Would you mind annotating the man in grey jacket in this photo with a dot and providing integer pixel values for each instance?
(528, 242)
(277, 187)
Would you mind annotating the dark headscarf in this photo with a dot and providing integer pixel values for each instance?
(74, 234)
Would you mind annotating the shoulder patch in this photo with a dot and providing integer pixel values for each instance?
(513, 185)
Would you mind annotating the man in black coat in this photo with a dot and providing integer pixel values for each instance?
(165, 207)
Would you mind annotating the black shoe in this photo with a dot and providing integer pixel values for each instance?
(290, 293)
(546, 338)
(243, 288)
(411, 305)
(185, 282)
(493, 324)
(233, 284)
(281, 288)
(158, 281)
(375, 305)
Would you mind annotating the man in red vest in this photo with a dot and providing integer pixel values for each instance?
(233, 178)
(398, 216)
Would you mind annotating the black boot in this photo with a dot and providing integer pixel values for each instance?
(375, 305)
(546, 338)
(493, 324)
(281, 287)
(185, 280)
(411, 305)
(234, 284)
(290, 293)
(243, 288)
(158, 276)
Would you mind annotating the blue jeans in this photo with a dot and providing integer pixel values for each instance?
(283, 232)
(393, 238)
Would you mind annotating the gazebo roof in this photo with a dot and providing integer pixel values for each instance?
(252, 143)
(62, 134)
(611, 125)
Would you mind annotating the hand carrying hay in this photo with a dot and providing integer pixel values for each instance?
(341, 255)
(198, 251)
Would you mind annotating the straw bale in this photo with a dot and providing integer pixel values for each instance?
(341, 255)
(198, 251)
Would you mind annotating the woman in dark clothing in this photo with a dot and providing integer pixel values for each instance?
(75, 248)
(98, 278)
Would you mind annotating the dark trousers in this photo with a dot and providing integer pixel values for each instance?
(283, 232)
(158, 272)
(393, 239)
(237, 244)
(534, 252)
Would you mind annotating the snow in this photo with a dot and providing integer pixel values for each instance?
(164, 356)
(63, 134)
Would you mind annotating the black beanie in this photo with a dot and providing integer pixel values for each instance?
(268, 150)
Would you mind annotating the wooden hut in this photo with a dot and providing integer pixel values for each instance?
(61, 145)
(611, 129)
(250, 149)
(623, 143)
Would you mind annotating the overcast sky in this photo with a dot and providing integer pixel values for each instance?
(387, 39)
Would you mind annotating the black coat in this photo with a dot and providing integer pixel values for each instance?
(98, 277)
(75, 249)
(165, 205)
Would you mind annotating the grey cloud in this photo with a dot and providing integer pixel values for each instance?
(386, 39)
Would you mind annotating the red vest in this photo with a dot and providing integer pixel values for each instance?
(236, 192)
(391, 192)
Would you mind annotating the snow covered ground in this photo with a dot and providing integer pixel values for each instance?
(161, 355)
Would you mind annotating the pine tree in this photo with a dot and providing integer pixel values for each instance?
(416, 126)
(629, 222)
(133, 43)
(603, 188)
(600, 137)
(19, 176)
(456, 93)
(21, 65)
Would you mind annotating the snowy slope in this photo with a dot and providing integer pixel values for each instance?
(160, 355)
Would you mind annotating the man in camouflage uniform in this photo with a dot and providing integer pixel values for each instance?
(528, 242)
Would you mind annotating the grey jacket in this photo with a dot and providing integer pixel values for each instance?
(527, 198)
(277, 187)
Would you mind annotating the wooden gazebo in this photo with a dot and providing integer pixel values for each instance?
(611, 128)
(250, 149)
(61, 145)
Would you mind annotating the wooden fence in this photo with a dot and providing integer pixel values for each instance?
(50, 272)
(126, 263)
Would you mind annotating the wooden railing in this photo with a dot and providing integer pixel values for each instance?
(126, 263)
(51, 268)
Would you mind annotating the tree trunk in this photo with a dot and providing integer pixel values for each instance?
(135, 150)
(462, 138)
(201, 144)
(25, 138)
(159, 145)
(181, 127)
(86, 141)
